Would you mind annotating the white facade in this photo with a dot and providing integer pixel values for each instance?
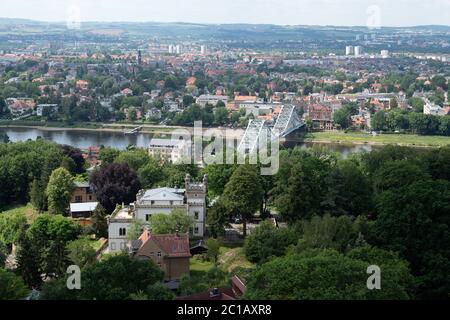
(118, 227)
(213, 100)
(358, 51)
(192, 200)
(41, 107)
(431, 108)
(174, 151)
(161, 200)
(164, 200)
(348, 50)
(385, 53)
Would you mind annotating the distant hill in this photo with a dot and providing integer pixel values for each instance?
(232, 32)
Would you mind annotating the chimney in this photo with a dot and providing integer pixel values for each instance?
(214, 293)
(187, 180)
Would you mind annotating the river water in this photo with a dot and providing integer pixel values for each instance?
(85, 138)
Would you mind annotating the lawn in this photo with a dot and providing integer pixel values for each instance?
(229, 259)
(399, 139)
(199, 267)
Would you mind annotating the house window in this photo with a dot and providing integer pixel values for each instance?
(122, 246)
(78, 199)
(196, 214)
(122, 232)
(159, 254)
(152, 202)
(147, 217)
(171, 203)
(196, 230)
(113, 246)
(90, 198)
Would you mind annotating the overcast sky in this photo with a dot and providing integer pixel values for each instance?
(283, 12)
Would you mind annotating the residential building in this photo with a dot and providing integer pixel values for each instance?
(82, 193)
(19, 106)
(191, 199)
(168, 149)
(169, 251)
(153, 113)
(242, 101)
(118, 227)
(82, 84)
(46, 109)
(127, 92)
(431, 108)
(260, 109)
(82, 210)
(348, 50)
(213, 100)
(321, 116)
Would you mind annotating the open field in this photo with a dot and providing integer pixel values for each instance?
(380, 139)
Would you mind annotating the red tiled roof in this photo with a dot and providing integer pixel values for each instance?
(245, 98)
(175, 246)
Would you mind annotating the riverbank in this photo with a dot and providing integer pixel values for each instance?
(325, 137)
(410, 140)
(155, 130)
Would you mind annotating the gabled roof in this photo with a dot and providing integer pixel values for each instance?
(173, 245)
(161, 194)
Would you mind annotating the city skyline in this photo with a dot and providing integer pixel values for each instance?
(380, 13)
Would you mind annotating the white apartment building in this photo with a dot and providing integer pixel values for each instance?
(192, 199)
(213, 100)
(168, 149)
(348, 50)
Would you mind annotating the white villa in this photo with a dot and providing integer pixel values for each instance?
(156, 201)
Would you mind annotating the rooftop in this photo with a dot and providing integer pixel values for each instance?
(124, 213)
(174, 245)
(159, 194)
(81, 184)
(83, 207)
(166, 143)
